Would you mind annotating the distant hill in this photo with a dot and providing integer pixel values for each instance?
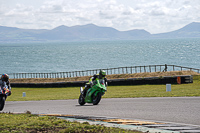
(189, 31)
(90, 32)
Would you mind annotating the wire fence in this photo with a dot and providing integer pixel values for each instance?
(110, 71)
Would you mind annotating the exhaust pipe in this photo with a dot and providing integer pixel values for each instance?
(81, 90)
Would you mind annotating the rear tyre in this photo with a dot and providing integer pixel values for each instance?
(81, 100)
(96, 99)
(2, 102)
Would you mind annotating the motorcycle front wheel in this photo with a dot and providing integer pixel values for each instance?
(96, 99)
(2, 102)
(81, 100)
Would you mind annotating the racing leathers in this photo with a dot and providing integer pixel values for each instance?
(8, 84)
(93, 81)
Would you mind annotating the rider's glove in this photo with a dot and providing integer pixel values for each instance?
(9, 93)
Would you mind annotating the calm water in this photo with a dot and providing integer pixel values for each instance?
(75, 56)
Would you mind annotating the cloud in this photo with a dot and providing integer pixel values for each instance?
(168, 15)
(154, 16)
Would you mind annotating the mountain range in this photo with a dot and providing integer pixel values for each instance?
(90, 32)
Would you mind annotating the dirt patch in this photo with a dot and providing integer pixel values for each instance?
(114, 76)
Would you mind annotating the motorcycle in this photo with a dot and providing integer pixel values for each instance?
(4, 92)
(93, 94)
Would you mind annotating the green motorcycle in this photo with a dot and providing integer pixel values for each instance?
(93, 94)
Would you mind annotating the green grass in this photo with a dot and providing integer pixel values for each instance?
(177, 90)
(44, 93)
(19, 123)
(33, 123)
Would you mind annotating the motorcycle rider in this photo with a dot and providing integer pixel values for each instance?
(5, 78)
(93, 80)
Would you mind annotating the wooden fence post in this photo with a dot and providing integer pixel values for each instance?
(150, 68)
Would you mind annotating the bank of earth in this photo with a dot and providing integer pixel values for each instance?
(114, 76)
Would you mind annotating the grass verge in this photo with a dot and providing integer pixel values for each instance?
(177, 90)
(19, 123)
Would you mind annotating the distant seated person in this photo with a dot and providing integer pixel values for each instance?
(5, 78)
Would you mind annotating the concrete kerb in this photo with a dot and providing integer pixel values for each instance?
(123, 126)
(149, 126)
(101, 121)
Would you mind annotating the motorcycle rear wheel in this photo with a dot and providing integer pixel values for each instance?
(81, 100)
(2, 102)
(96, 99)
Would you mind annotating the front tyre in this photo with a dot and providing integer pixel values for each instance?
(2, 102)
(81, 100)
(96, 99)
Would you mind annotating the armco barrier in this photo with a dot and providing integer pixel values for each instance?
(113, 82)
(151, 80)
(49, 85)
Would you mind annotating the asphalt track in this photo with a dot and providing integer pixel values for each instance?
(183, 110)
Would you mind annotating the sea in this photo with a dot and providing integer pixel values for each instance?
(77, 56)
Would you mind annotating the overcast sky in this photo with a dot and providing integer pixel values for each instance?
(154, 16)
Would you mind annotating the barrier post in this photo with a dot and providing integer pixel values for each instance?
(168, 87)
(24, 94)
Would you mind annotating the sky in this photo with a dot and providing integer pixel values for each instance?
(154, 16)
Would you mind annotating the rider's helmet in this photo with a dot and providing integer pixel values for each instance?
(5, 77)
(102, 73)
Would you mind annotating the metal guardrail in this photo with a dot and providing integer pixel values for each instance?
(110, 71)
